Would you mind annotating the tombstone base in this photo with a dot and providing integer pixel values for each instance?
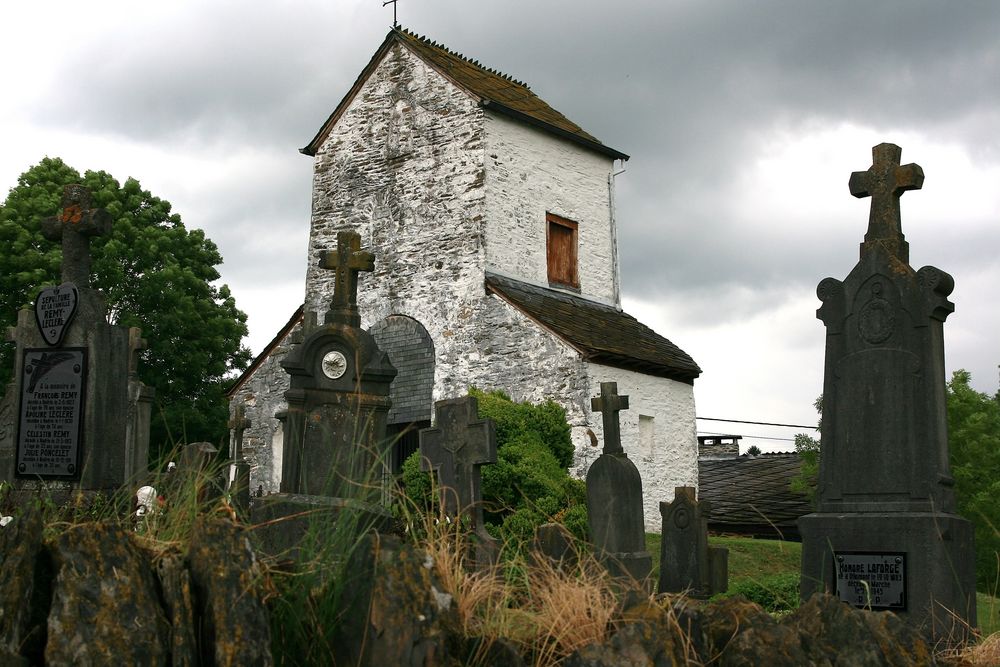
(287, 524)
(939, 551)
(634, 566)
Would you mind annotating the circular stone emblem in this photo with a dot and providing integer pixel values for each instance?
(876, 321)
(681, 518)
(334, 364)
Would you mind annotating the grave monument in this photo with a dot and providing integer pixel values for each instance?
(239, 477)
(885, 534)
(614, 497)
(687, 562)
(335, 450)
(455, 448)
(79, 414)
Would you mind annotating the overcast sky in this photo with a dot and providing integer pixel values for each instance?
(744, 121)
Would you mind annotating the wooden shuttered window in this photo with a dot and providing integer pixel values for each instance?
(561, 247)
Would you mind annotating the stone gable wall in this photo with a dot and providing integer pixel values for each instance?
(529, 173)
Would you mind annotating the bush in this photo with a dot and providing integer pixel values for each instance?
(529, 484)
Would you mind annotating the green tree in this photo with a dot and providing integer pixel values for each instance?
(974, 436)
(808, 449)
(155, 273)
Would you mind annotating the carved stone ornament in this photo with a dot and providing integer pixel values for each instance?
(334, 364)
(54, 310)
(876, 321)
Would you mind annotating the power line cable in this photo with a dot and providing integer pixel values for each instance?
(743, 421)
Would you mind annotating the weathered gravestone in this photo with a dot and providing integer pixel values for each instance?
(614, 497)
(80, 416)
(458, 445)
(239, 484)
(334, 444)
(886, 535)
(687, 562)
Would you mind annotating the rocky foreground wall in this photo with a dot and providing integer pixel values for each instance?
(91, 595)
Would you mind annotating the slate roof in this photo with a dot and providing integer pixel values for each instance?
(265, 353)
(751, 495)
(601, 334)
(494, 90)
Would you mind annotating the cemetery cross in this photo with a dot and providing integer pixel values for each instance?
(74, 226)
(346, 262)
(238, 423)
(456, 448)
(136, 344)
(609, 404)
(885, 181)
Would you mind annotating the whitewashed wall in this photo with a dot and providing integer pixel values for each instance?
(530, 172)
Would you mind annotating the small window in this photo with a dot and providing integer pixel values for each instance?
(561, 244)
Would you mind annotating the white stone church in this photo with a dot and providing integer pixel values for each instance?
(491, 217)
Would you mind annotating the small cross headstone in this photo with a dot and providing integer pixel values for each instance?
(455, 449)
(614, 497)
(240, 487)
(687, 562)
(346, 262)
(74, 226)
(136, 344)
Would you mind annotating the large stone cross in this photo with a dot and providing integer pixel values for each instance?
(885, 181)
(346, 261)
(456, 448)
(609, 404)
(74, 226)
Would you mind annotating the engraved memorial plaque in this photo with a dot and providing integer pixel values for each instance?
(51, 413)
(54, 310)
(871, 580)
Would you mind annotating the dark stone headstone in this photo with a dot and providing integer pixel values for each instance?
(334, 442)
(455, 448)
(81, 417)
(886, 535)
(687, 562)
(614, 497)
(335, 451)
(554, 542)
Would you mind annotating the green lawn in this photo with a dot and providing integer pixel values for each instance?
(751, 561)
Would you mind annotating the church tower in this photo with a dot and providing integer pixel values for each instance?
(490, 215)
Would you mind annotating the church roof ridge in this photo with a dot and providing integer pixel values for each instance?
(495, 91)
(427, 41)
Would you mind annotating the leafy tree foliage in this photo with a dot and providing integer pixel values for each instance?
(974, 434)
(808, 449)
(529, 484)
(155, 273)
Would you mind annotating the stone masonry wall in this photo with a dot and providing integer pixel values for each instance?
(530, 173)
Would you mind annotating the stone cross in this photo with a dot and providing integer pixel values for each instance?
(885, 181)
(136, 343)
(239, 489)
(74, 226)
(609, 404)
(346, 262)
(238, 423)
(456, 448)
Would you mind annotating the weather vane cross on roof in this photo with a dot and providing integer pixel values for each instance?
(395, 23)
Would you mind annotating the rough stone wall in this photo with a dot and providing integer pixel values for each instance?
(263, 395)
(529, 173)
(404, 167)
(672, 458)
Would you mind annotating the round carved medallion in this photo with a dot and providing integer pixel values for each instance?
(682, 519)
(334, 364)
(876, 320)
